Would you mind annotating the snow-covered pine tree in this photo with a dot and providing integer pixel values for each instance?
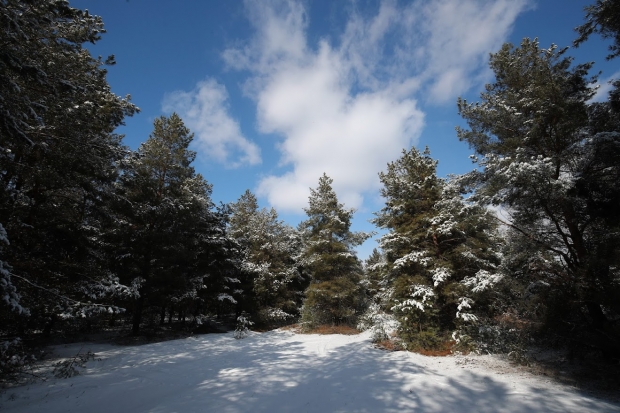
(439, 251)
(553, 161)
(170, 242)
(334, 295)
(58, 157)
(270, 265)
(376, 318)
(373, 273)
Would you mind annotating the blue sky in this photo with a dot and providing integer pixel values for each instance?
(278, 92)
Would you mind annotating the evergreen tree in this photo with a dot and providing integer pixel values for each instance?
(377, 318)
(441, 251)
(58, 158)
(553, 161)
(169, 232)
(373, 274)
(334, 295)
(270, 261)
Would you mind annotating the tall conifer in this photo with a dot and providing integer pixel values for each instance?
(334, 295)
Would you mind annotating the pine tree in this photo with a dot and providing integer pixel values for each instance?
(377, 318)
(270, 265)
(334, 296)
(58, 158)
(169, 231)
(373, 273)
(438, 249)
(552, 160)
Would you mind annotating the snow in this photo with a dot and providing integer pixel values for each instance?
(280, 371)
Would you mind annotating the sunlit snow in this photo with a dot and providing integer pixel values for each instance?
(280, 371)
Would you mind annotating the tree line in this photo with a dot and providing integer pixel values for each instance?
(93, 234)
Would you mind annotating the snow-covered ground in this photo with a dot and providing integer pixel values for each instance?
(280, 371)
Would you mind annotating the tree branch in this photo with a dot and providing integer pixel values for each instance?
(539, 242)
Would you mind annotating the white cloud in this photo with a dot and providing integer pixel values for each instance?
(348, 106)
(455, 39)
(218, 136)
(282, 39)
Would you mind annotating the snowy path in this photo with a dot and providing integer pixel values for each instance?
(283, 372)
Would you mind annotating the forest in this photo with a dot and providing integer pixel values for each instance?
(97, 237)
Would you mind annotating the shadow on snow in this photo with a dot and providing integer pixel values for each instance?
(281, 372)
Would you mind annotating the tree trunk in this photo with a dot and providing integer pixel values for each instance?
(47, 330)
(162, 316)
(137, 314)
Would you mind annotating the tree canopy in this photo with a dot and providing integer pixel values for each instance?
(271, 253)
(441, 252)
(58, 154)
(546, 158)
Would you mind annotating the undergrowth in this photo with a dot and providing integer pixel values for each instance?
(71, 367)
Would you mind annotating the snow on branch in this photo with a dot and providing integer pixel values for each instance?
(482, 281)
(465, 303)
(439, 275)
(419, 257)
